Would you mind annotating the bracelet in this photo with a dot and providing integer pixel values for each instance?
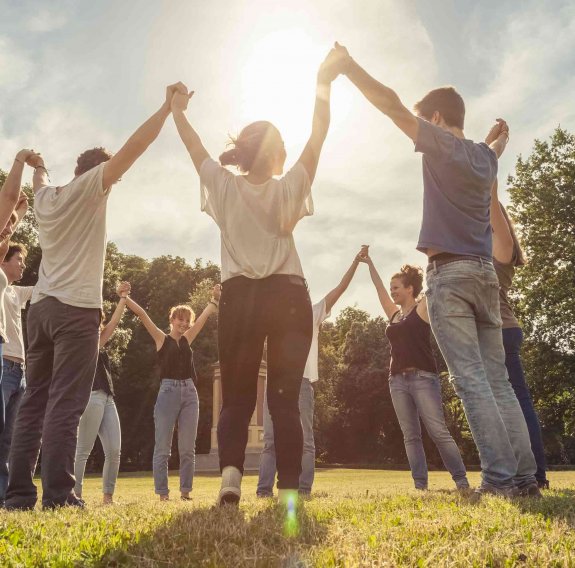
(19, 161)
(41, 168)
(213, 302)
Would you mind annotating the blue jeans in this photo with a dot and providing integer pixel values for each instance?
(177, 402)
(13, 386)
(463, 301)
(512, 340)
(99, 419)
(417, 394)
(268, 457)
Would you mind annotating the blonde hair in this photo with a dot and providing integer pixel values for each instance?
(182, 311)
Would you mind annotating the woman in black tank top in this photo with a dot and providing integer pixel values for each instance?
(177, 400)
(100, 418)
(413, 380)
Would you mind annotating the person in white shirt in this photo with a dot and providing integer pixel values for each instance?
(64, 317)
(13, 377)
(267, 473)
(264, 293)
(10, 199)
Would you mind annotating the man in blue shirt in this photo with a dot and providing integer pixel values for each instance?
(462, 285)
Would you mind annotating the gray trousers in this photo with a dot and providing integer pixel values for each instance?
(61, 363)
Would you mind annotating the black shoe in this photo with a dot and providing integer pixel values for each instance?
(505, 492)
(71, 501)
(19, 505)
(543, 484)
(532, 491)
(182, 498)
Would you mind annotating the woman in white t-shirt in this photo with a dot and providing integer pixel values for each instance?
(264, 294)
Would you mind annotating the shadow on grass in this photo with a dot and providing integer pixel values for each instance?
(224, 537)
(555, 504)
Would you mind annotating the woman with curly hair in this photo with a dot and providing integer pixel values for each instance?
(413, 379)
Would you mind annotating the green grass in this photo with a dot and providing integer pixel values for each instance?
(357, 518)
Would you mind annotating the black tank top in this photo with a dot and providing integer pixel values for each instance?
(410, 341)
(103, 376)
(176, 360)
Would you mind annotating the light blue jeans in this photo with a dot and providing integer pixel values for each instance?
(463, 301)
(99, 419)
(13, 386)
(177, 402)
(268, 458)
(415, 395)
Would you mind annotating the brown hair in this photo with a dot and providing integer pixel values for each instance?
(411, 276)
(13, 248)
(90, 159)
(447, 102)
(182, 310)
(518, 254)
(251, 145)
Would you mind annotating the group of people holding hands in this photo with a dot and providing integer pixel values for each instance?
(472, 253)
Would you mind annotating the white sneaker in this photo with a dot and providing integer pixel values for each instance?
(230, 491)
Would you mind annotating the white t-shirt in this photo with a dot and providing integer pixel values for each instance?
(256, 221)
(15, 300)
(311, 367)
(72, 234)
(3, 286)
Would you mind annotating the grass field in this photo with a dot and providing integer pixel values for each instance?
(356, 518)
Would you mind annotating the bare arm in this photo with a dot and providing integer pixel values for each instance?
(332, 297)
(138, 143)
(157, 334)
(381, 97)
(210, 309)
(188, 135)
(502, 239)
(422, 311)
(385, 299)
(498, 137)
(111, 326)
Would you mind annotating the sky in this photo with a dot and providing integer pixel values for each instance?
(75, 74)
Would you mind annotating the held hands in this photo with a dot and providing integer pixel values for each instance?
(500, 128)
(336, 63)
(172, 90)
(33, 159)
(123, 289)
(363, 254)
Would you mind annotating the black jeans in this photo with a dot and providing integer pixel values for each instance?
(277, 308)
(61, 363)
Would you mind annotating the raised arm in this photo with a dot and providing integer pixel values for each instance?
(498, 137)
(328, 71)
(385, 299)
(138, 143)
(157, 334)
(209, 310)
(188, 135)
(381, 97)
(10, 191)
(122, 290)
(502, 238)
(332, 297)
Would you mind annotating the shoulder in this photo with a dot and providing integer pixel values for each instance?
(296, 173)
(211, 169)
(319, 312)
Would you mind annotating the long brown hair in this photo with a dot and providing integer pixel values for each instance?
(520, 259)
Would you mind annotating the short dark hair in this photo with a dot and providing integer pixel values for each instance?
(447, 102)
(90, 159)
(13, 248)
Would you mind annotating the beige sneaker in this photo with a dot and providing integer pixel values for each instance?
(230, 491)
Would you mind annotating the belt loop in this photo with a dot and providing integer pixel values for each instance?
(435, 266)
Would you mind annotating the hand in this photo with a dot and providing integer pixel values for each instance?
(333, 65)
(35, 160)
(27, 157)
(180, 101)
(363, 254)
(500, 128)
(123, 289)
(171, 90)
(217, 292)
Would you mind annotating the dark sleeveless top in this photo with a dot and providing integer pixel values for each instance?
(176, 361)
(410, 341)
(505, 274)
(103, 376)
